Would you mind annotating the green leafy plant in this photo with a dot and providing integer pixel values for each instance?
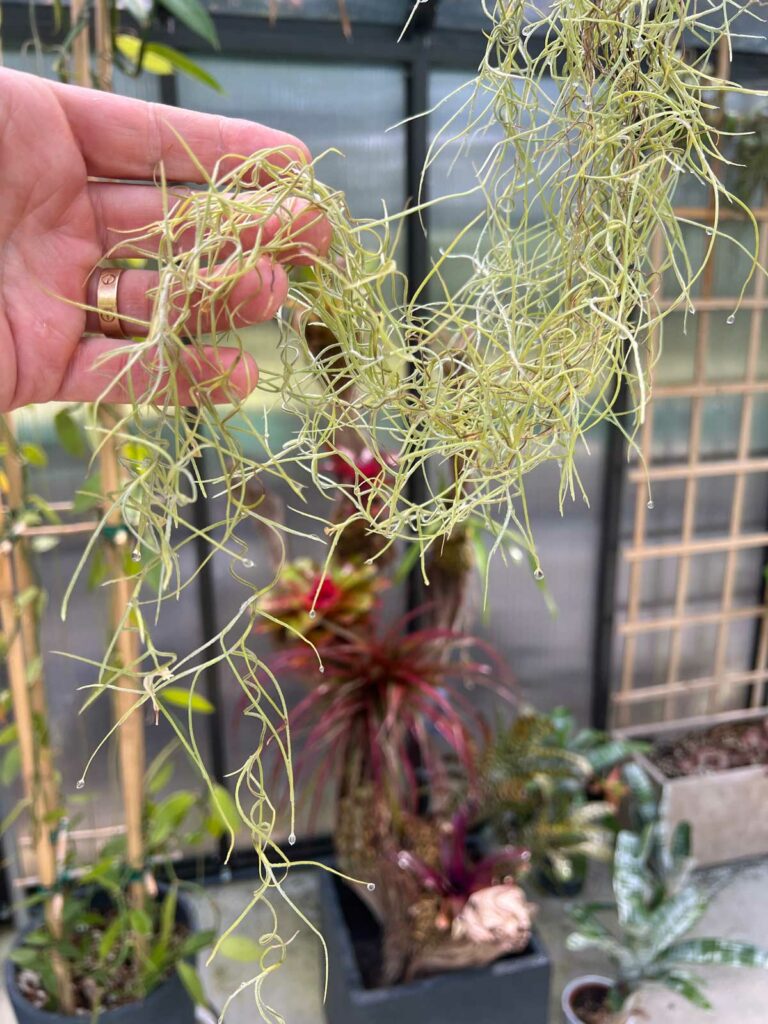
(602, 751)
(116, 952)
(656, 903)
(534, 787)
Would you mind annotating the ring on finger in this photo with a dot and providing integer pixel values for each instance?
(106, 303)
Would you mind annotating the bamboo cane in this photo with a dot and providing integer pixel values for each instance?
(130, 736)
(25, 578)
(37, 772)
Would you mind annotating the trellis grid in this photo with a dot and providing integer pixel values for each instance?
(727, 691)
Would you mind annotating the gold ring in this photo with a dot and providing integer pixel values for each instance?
(106, 303)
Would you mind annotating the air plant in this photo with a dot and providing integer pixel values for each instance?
(387, 709)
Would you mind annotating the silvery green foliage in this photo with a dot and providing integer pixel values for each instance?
(656, 903)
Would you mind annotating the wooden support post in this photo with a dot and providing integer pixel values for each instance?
(37, 772)
(130, 735)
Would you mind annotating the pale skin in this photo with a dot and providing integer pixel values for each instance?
(57, 223)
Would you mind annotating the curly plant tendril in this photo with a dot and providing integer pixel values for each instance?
(466, 389)
(171, 455)
(597, 122)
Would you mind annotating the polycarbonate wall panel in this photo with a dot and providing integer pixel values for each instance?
(349, 109)
(467, 14)
(551, 657)
(145, 87)
(371, 12)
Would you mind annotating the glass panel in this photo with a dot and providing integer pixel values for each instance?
(326, 106)
(551, 657)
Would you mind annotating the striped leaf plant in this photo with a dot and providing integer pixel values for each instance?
(657, 901)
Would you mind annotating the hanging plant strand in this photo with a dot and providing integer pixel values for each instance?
(476, 386)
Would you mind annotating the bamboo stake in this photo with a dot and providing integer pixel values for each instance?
(37, 775)
(103, 34)
(130, 736)
(25, 578)
(80, 45)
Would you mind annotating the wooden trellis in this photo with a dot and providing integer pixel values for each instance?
(726, 691)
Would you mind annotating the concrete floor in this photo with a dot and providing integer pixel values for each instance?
(739, 911)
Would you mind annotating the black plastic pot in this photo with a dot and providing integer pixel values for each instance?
(513, 990)
(169, 1003)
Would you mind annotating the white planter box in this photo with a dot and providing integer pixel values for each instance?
(727, 810)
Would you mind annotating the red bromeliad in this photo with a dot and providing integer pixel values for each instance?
(362, 469)
(312, 604)
(454, 875)
(390, 711)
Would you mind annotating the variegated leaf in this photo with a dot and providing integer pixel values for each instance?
(686, 986)
(722, 952)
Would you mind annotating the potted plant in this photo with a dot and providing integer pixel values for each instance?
(123, 962)
(605, 753)
(387, 724)
(438, 930)
(125, 965)
(715, 779)
(656, 903)
(534, 787)
(109, 940)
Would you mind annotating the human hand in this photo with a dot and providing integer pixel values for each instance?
(57, 223)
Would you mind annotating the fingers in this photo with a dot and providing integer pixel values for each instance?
(129, 139)
(99, 372)
(124, 212)
(256, 297)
